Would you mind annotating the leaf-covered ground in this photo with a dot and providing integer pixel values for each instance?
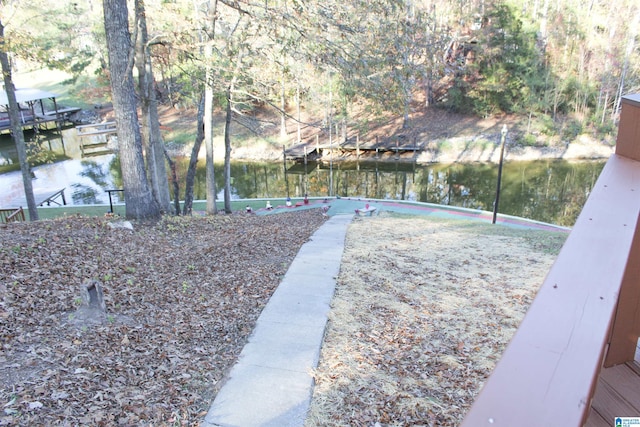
(423, 310)
(181, 298)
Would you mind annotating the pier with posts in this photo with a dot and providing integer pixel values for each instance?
(33, 113)
(313, 150)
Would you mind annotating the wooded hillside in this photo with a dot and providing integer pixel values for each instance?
(348, 63)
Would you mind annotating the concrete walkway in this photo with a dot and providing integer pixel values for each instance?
(272, 382)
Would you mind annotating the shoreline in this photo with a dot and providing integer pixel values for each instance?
(456, 150)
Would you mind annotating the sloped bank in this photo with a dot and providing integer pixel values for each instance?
(460, 150)
(470, 150)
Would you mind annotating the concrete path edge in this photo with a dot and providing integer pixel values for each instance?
(271, 384)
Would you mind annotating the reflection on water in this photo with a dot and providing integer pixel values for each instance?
(549, 191)
(98, 174)
(83, 179)
(84, 182)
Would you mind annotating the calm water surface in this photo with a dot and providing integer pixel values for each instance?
(549, 191)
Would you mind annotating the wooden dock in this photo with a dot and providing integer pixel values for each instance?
(53, 198)
(42, 197)
(93, 146)
(302, 152)
(310, 151)
(32, 111)
(396, 145)
(96, 129)
(38, 122)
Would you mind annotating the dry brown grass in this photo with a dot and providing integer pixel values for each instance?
(423, 309)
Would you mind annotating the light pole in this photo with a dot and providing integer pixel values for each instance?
(502, 143)
(330, 137)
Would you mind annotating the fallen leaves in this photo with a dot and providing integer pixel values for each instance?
(182, 296)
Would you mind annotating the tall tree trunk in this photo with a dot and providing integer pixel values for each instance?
(152, 137)
(187, 209)
(344, 128)
(227, 155)
(406, 107)
(298, 102)
(140, 203)
(543, 28)
(16, 127)
(283, 106)
(625, 67)
(429, 98)
(174, 181)
(208, 142)
(227, 135)
(208, 116)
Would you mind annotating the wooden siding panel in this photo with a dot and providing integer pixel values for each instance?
(628, 141)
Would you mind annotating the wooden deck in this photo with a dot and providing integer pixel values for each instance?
(395, 145)
(96, 129)
(302, 152)
(313, 151)
(617, 395)
(38, 121)
(95, 146)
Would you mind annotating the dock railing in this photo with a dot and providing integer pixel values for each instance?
(586, 315)
(11, 215)
(53, 199)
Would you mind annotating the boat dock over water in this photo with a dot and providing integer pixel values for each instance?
(33, 112)
(95, 138)
(310, 151)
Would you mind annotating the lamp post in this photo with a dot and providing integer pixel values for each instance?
(330, 137)
(502, 143)
(284, 161)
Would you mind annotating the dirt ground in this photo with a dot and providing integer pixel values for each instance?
(423, 310)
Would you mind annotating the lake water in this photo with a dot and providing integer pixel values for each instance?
(548, 191)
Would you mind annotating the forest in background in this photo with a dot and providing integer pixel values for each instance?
(318, 65)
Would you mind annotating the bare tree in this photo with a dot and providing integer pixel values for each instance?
(150, 122)
(208, 109)
(16, 127)
(227, 155)
(140, 203)
(193, 161)
(631, 42)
